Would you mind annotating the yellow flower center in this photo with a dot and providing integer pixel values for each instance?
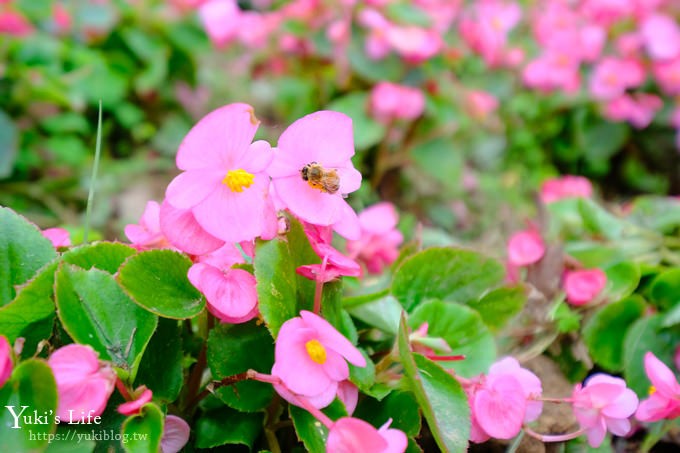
(316, 351)
(652, 390)
(237, 180)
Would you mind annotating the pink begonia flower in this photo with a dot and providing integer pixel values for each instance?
(334, 264)
(58, 236)
(15, 24)
(553, 70)
(377, 47)
(230, 293)
(413, 44)
(638, 110)
(133, 407)
(486, 27)
(348, 393)
(147, 233)
(603, 403)
(606, 12)
(525, 247)
(63, 23)
(390, 101)
(613, 76)
(83, 383)
(582, 286)
(5, 360)
(325, 142)
(352, 435)
(310, 357)
(568, 186)
(661, 36)
(667, 75)
(480, 103)
(629, 44)
(378, 246)
(182, 231)
(664, 394)
(221, 20)
(223, 182)
(176, 434)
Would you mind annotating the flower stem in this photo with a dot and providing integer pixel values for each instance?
(554, 438)
(318, 290)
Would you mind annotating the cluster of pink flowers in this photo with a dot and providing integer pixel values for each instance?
(527, 247)
(231, 191)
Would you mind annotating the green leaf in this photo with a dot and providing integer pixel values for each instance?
(400, 406)
(603, 139)
(31, 388)
(500, 305)
(69, 442)
(661, 214)
(567, 320)
(227, 426)
(363, 376)
(106, 256)
(367, 131)
(408, 14)
(462, 328)
(94, 310)
(380, 310)
(164, 352)
(389, 68)
(440, 396)
(157, 281)
(438, 159)
(602, 332)
(449, 274)
(597, 220)
(646, 335)
(622, 279)
(31, 313)
(312, 432)
(9, 144)
(144, 431)
(23, 250)
(281, 292)
(665, 289)
(235, 349)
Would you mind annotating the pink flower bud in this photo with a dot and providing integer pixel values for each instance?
(134, 406)
(5, 360)
(525, 248)
(583, 286)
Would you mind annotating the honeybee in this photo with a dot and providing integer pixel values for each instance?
(319, 178)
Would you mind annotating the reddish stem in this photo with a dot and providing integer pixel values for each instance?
(318, 290)
(123, 390)
(445, 358)
(554, 438)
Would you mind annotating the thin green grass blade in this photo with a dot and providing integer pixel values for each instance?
(93, 180)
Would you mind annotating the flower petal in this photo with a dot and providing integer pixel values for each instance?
(191, 187)
(183, 231)
(333, 339)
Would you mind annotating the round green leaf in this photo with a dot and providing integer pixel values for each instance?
(500, 305)
(23, 250)
(451, 274)
(463, 330)
(157, 280)
(236, 349)
(144, 431)
(164, 352)
(94, 310)
(31, 388)
(106, 256)
(622, 279)
(400, 406)
(665, 289)
(602, 332)
(227, 426)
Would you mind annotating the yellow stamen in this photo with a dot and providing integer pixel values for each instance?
(237, 180)
(316, 351)
(652, 390)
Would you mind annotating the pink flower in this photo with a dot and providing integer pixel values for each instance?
(603, 403)
(503, 400)
(480, 103)
(664, 394)
(134, 406)
(312, 170)
(525, 248)
(667, 75)
(181, 230)
(5, 360)
(58, 236)
(15, 24)
(638, 110)
(486, 27)
(221, 20)
(224, 183)
(391, 101)
(352, 435)
(553, 70)
(582, 286)
(230, 293)
(334, 264)
(147, 234)
(565, 187)
(613, 76)
(310, 357)
(379, 243)
(83, 383)
(176, 434)
(661, 36)
(348, 393)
